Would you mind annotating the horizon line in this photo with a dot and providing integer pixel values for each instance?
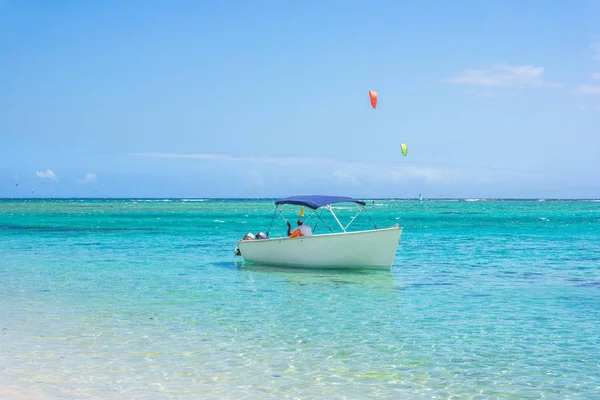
(275, 198)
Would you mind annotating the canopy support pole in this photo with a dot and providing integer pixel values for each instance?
(272, 219)
(282, 217)
(310, 215)
(371, 219)
(359, 211)
(336, 218)
(321, 220)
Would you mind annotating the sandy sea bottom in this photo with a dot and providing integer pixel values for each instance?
(141, 300)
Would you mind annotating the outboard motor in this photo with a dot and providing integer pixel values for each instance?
(249, 236)
(261, 235)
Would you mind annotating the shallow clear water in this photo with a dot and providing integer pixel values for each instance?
(136, 299)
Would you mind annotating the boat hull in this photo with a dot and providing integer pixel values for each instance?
(372, 249)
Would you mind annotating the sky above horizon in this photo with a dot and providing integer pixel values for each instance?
(270, 99)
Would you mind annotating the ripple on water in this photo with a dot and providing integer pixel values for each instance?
(106, 301)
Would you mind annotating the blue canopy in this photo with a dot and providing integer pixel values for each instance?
(316, 201)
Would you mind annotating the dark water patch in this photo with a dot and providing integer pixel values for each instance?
(462, 213)
(340, 282)
(588, 258)
(224, 264)
(477, 295)
(530, 275)
(540, 318)
(594, 284)
(195, 245)
(55, 229)
(430, 284)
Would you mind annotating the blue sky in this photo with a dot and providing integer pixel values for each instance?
(270, 98)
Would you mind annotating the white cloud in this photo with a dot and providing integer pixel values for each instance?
(255, 179)
(394, 174)
(48, 174)
(342, 170)
(360, 172)
(589, 89)
(89, 178)
(596, 49)
(490, 94)
(504, 75)
(427, 174)
(589, 108)
(344, 177)
(292, 160)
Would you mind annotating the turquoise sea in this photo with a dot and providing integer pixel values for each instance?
(143, 299)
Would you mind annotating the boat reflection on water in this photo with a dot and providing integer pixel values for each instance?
(372, 280)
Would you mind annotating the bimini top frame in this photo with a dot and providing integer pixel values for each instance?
(315, 202)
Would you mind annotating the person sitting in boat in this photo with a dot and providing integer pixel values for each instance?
(301, 230)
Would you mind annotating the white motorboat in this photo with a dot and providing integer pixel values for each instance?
(365, 249)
